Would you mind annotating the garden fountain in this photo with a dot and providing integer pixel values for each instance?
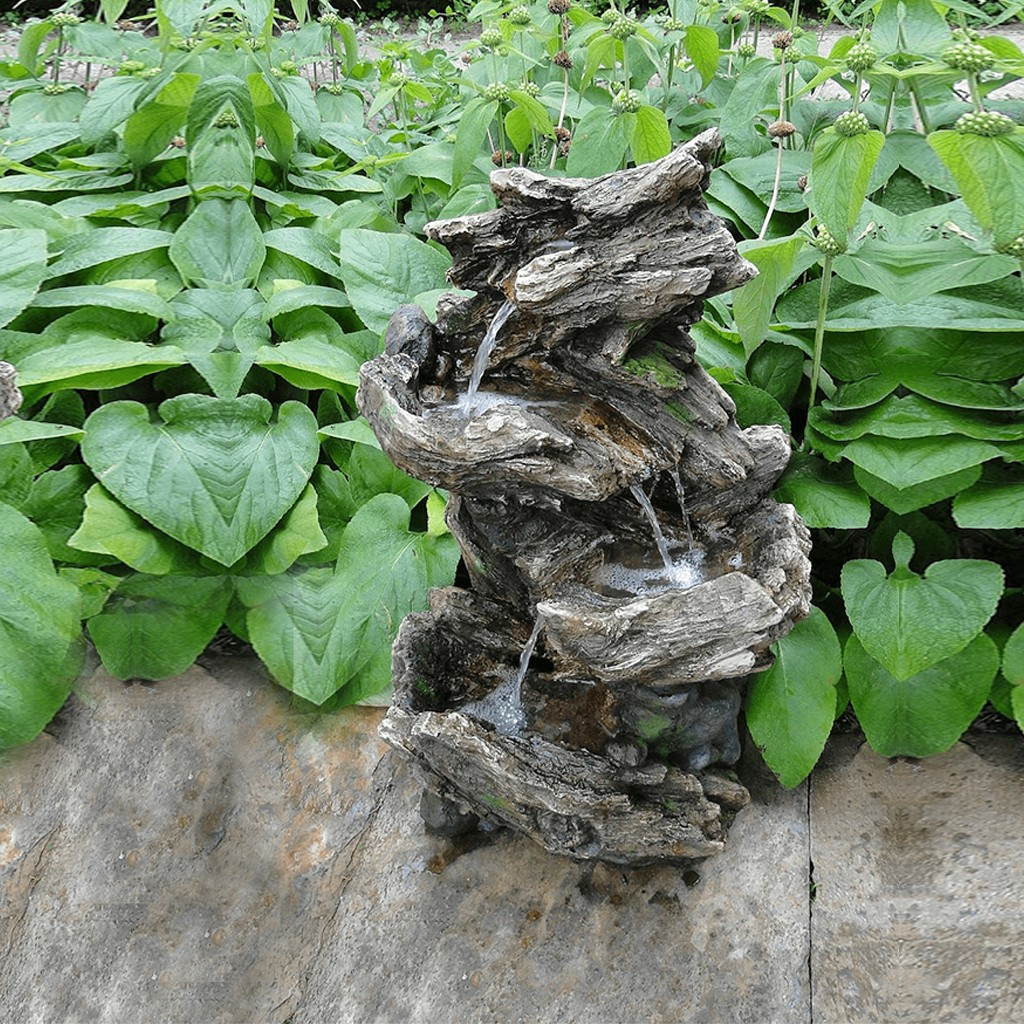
(625, 565)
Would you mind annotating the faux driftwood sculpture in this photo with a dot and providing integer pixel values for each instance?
(625, 564)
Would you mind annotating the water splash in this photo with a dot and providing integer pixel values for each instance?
(503, 706)
(687, 570)
(681, 494)
(483, 353)
(652, 516)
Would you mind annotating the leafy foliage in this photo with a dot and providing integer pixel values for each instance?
(205, 243)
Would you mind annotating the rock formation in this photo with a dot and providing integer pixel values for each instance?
(618, 534)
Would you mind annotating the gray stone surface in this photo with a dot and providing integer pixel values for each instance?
(174, 852)
(919, 886)
(199, 850)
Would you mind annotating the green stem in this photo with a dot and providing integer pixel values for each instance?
(501, 133)
(972, 84)
(819, 334)
(625, 64)
(796, 13)
(57, 55)
(668, 76)
(888, 108)
(856, 92)
(775, 192)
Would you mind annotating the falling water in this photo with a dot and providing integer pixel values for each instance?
(652, 516)
(681, 493)
(503, 706)
(483, 353)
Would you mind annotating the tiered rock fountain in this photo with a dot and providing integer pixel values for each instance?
(625, 566)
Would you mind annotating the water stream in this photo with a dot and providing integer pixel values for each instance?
(503, 706)
(483, 353)
(659, 537)
(681, 493)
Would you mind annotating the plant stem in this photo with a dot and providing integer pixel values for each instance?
(775, 192)
(972, 84)
(856, 92)
(668, 76)
(561, 115)
(57, 55)
(819, 335)
(796, 13)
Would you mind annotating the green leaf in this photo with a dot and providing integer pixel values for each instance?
(757, 174)
(518, 130)
(272, 120)
(319, 629)
(302, 108)
(357, 430)
(923, 713)
(824, 495)
(91, 248)
(989, 172)
(1013, 657)
(381, 271)
(903, 463)
(110, 103)
(990, 505)
(651, 138)
(14, 430)
(153, 627)
(108, 528)
(371, 472)
(216, 474)
(304, 244)
(220, 333)
(777, 369)
(791, 707)
(55, 504)
(753, 303)
(600, 142)
(755, 89)
(909, 622)
(148, 132)
(909, 499)
(755, 406)
(39, 632)
(220, 244)
(701, 45)
(840, 170)
(22, 270)
(296, 535)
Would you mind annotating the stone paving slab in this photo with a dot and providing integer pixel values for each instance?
(198, 851)
(918, 913)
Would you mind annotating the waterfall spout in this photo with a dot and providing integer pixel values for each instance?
(483, 353)
(652, 516)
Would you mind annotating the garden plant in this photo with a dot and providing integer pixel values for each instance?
(208, 213)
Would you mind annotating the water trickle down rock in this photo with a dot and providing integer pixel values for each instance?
(630, 699)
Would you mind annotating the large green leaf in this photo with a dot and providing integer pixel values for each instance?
(220, 245)
(91, 248)
(148, 132)
(215, 474)
(923, 713)
(110, 103)
(909, 622)
(381, 271)
(825, 496)
(153, 627)
(757, 173)
(600, 142)
(55, 504)
(39, 631)
(107, 528)
(220, 333)
(22, 269)
(990, 174)
(319, 629)
(651, 138)
(840, 171)
(791, 707)
(908, 499)
(753, 303)
(701, 45)
(991, 505)
(907, 463)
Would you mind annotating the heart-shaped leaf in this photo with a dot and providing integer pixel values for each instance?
(791, 707)
(923, 713)
(153, 627)
(39, 629)
(320, 629)
(215, 474)
(909, 622)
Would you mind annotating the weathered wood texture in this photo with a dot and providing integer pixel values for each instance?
(10, 396)
(592, 388)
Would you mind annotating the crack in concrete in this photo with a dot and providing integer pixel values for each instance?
(381, 790)
(35, 874)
